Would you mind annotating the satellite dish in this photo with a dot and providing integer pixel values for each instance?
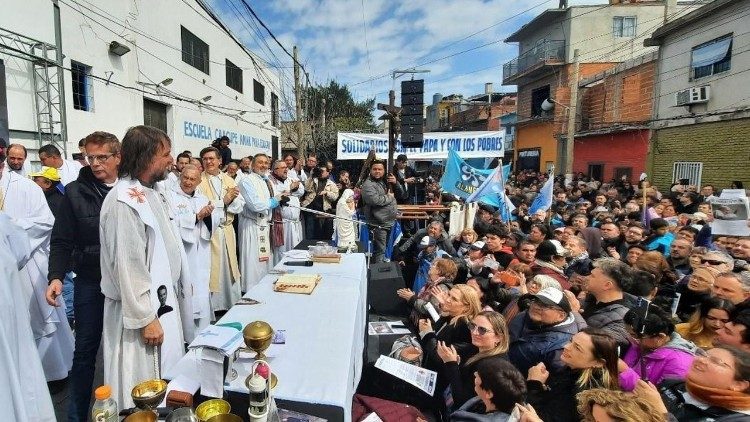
(547, 105)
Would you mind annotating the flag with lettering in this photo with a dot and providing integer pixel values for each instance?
(460, 178)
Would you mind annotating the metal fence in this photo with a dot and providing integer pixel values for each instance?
(542, 52)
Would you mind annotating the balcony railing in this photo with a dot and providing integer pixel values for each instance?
(548, 51)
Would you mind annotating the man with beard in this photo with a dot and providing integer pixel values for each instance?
(222, 191)
(139, 253)
(613, 244)
(76, 234)
(288, 217)
(379, 198)
(16, 161)
(320, 194)
(255, 222)
(245, 165)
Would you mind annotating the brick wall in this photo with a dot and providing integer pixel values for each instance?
(615, 150)
(620, 98)
(722, 147)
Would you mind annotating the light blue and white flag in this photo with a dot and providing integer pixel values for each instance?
(460, 178)
(543, 200)
(492, 192)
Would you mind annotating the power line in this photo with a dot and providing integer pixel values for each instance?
(274, 38)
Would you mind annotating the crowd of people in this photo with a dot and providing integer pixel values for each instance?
(615, 303)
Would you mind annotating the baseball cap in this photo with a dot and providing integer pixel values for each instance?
(553, 297)
(49, 173)
(427, 241)
(550, 248)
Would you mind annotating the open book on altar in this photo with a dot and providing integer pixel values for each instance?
(297, 283)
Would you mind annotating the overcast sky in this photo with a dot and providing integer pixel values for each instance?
(359, 42)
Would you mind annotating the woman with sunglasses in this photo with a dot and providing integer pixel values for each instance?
(695, 291)
(489, 334)
(458, 308)
(717, 388)
(656, 352)
(710, 317)
(590, 361)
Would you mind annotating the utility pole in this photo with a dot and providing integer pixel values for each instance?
(301, 144)
(572, 111)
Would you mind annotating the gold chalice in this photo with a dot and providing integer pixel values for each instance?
(211, 408)
(148, 394)
(142, 416)
(258, 336)
(225, 417)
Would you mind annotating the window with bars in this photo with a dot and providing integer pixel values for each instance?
(83, 93)
(194, 51)
(234, 76)
(691, 170)
(711, 57)
(259, 92)
(624, 26)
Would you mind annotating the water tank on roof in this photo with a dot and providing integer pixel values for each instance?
(436, 98)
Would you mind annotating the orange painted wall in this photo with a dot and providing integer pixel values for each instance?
(537, 135)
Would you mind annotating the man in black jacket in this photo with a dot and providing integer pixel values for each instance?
(75, 238)
(48, 179)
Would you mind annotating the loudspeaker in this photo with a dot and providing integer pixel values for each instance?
(412, 113)
(383, 280)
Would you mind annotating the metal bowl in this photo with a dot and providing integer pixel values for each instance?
(183, 414)
(225, 417)
(211, 408)
(148, 394)
(142, 416)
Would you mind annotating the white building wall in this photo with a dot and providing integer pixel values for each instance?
(729, 89)
(151, 29)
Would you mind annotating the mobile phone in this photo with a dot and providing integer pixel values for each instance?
(77, 156)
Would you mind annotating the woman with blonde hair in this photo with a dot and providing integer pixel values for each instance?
(464, 240)
(602, 404)
(459, 307)
(590, 361)
(489, 333)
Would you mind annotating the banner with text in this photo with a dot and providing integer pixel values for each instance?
(355, 146)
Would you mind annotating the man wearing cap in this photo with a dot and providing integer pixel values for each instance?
(428, 252)
(48, 179)
(539, 334)
(475, 259)
(50, 156)
(550, 260)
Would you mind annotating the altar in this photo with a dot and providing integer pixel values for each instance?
(320, 363)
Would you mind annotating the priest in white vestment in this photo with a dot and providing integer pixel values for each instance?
(24, 395)
(283, 184)
(24, 202)
(144, 268)
(223, 193)
(190, 209)
(255, 222)
(50, 156)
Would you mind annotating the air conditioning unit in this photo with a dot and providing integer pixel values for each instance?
(695, 95)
